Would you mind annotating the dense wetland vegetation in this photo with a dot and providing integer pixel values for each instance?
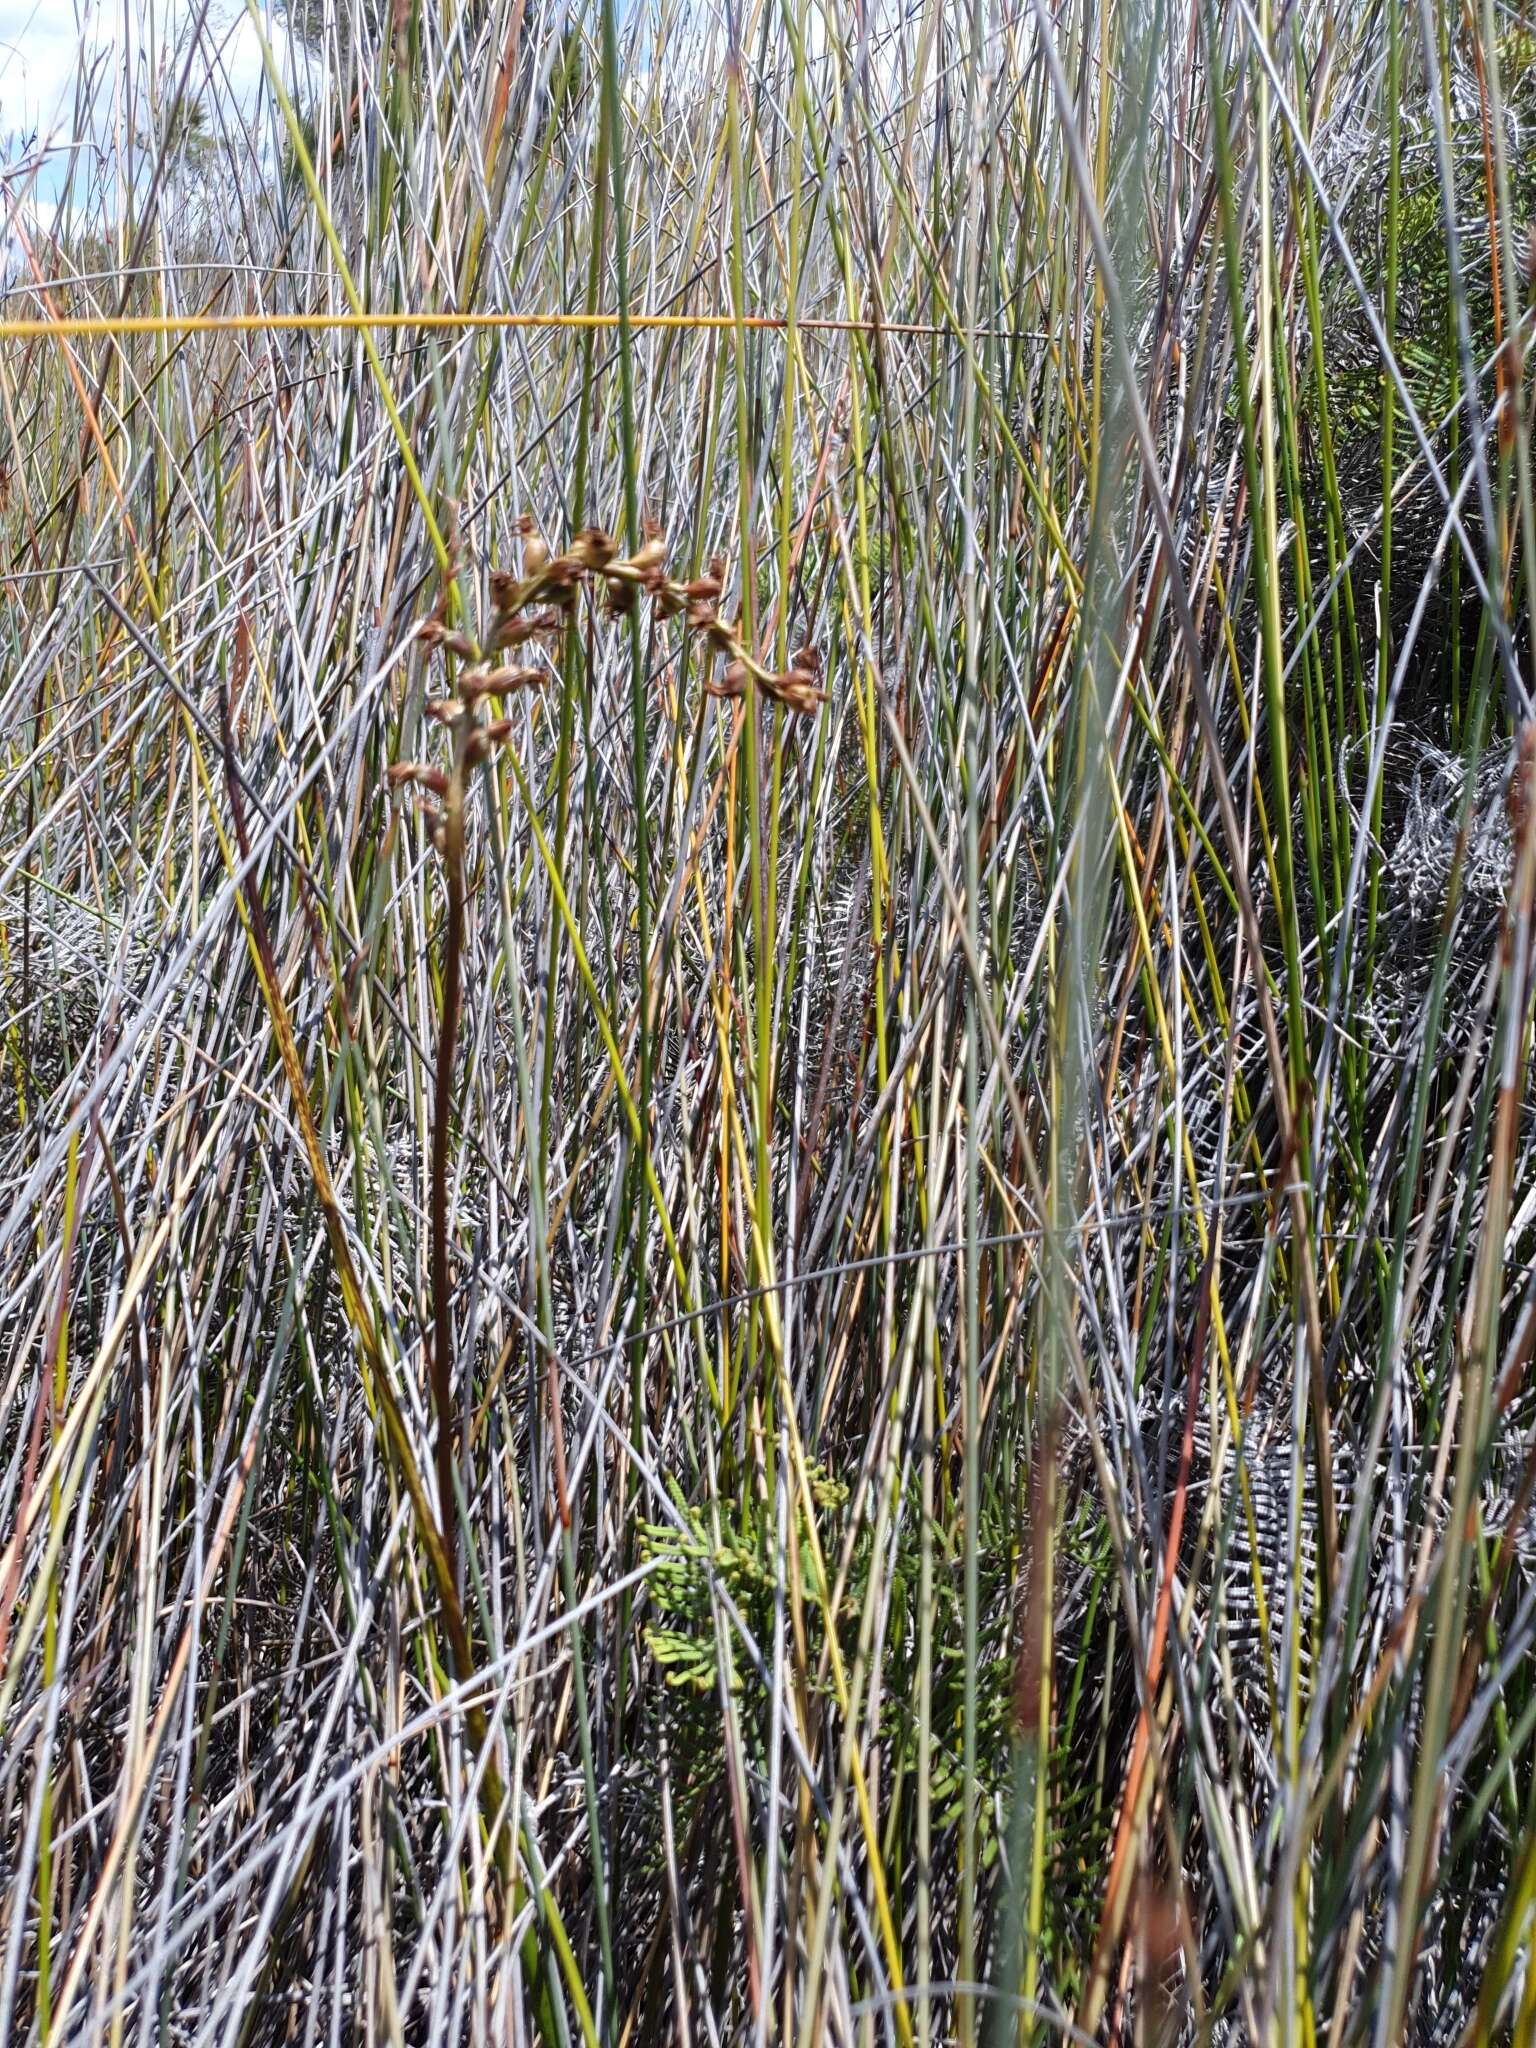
(767, 859)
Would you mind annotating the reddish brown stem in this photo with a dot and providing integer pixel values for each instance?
(447, 1040)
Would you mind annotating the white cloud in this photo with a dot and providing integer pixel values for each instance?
(90, 76)
(39, 61)
(45, 55)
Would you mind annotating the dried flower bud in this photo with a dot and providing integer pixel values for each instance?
(801, 689)
(703, 618)
(401, 772)
(732, 684)
(593, 548)
(708, 586)
(646, 568)
(562, 576)
(433, 633)
(795, 690)
(500, 682)
(511, 632)
(446, 710)
(535, 548)
(650, 556)
(483, 743)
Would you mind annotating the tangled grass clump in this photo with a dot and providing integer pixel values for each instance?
(777, 1288)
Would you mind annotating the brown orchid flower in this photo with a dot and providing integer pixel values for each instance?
(399, 773)
(796, 690)
(733, 683)
(500, 682)
(594, 548)
(535, 548)
(708, 586)
(433, 633)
